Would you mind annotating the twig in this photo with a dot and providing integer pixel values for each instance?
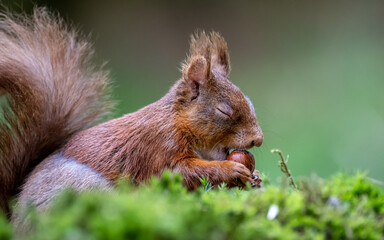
(375, 181)
(284, 168)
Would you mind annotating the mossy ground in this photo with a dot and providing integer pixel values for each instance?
(343, 207)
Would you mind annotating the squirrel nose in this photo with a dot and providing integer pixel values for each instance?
(257, 141)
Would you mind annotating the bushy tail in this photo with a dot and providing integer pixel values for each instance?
(49, 90)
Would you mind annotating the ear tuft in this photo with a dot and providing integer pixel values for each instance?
(200, 45)
(207, 52)
(220, 55)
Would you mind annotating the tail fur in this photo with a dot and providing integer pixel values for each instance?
(49, 90)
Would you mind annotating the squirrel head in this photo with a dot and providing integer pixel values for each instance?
(215, 111)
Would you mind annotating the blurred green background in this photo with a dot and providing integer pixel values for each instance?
(313, 69)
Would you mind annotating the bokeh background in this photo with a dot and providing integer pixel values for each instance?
(313, 69)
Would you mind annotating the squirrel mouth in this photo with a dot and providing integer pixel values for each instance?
(220, 153)
(227, 151)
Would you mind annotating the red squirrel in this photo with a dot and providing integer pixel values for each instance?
(54, 95)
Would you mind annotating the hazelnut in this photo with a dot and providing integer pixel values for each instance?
(244, 157)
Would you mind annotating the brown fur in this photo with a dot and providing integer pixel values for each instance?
(52, 91)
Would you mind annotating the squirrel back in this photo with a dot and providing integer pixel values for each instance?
(49, 90)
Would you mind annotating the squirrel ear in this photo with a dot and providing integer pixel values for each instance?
(220, 56)
(197, 70)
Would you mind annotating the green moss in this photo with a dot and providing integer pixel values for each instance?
(344, 207)
(5, 228)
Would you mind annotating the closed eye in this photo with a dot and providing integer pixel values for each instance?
(224, 113)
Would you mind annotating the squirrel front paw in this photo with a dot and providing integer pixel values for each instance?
(236, 174)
